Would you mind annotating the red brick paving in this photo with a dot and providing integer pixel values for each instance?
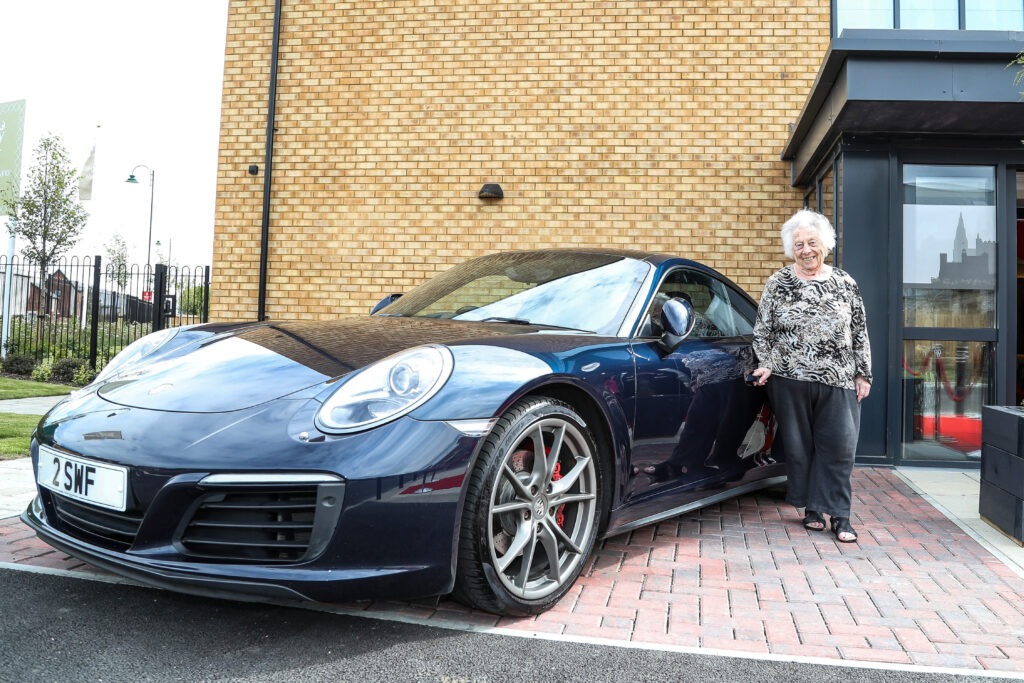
(745, 576)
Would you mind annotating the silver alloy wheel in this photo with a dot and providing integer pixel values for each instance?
(542, 509)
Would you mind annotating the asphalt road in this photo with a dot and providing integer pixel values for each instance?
(56, 628)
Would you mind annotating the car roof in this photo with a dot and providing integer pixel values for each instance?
(651, 257)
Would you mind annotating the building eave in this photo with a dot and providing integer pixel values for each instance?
(883, 81)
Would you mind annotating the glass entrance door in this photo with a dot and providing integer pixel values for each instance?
(949, 310)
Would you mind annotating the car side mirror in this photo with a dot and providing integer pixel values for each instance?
(386, 301)
(677, 318)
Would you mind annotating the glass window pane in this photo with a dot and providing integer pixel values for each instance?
(949, 246)
(828, 197)
(840, 244)
(863, 14)
(930, 14)
(994, 15)
(945, 384)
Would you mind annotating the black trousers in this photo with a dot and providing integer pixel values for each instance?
(818, 425)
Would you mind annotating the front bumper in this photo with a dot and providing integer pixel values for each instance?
(241, 582)
(379, 511)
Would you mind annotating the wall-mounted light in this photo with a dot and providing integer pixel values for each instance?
(491, 191)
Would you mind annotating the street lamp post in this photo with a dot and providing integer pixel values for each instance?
(152, 183)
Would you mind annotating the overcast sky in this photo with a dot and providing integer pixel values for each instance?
(141, 80)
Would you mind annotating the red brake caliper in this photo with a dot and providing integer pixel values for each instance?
(560, 512)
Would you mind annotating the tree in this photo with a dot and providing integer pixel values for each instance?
(191, 300)
(47, 214)
(117, 266)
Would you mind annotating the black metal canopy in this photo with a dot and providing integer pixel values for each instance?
(909, 82)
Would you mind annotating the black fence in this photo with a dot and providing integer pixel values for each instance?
(83, 308)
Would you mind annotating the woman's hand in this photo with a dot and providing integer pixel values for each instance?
(863, 388)
(762, 375)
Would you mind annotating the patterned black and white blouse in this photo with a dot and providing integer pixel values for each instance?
(813, 330)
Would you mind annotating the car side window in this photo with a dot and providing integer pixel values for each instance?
(716, 315)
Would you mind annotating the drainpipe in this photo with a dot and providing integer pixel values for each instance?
(268, 164)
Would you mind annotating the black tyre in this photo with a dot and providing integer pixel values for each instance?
(532, 511)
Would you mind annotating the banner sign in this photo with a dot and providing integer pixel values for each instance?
(12, 133)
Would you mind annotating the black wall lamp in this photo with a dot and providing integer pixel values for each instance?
(491, 191)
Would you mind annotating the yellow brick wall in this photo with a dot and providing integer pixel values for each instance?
(637, 124)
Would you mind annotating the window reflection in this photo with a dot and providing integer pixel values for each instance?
(977, 15)
(863, 14)
(949, 246)
(945, 384)
(994, 15)
(930, 14)
(580, 291)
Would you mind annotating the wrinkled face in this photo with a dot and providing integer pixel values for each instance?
(808, 251)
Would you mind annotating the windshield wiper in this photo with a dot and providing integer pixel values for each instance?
(499, 319)
(523, 321)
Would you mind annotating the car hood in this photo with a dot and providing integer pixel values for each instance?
(252, 364)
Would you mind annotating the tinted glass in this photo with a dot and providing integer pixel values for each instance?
(949, 246)
(863, 14)
(930, 14)
(719, 312)
(945, 384)
(589, 292)
(994, 15)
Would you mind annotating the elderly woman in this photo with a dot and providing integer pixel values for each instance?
(811, 339)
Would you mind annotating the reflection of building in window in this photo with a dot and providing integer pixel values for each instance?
(968, 267)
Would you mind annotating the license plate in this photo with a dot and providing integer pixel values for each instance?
(85, 480)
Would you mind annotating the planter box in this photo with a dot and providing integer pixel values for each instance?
(1001, 498)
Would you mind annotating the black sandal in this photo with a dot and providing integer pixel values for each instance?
(814, 521)
(841, 525)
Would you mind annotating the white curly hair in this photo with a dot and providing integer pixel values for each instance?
(805, 218)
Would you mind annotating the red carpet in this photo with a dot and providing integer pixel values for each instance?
(956, 431)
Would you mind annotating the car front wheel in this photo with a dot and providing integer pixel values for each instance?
(532, 510)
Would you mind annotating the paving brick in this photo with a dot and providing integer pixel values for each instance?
(1000, 664)
(806, 649)
(670, 639)
(873, 654)
(945, 660)
(913, 640)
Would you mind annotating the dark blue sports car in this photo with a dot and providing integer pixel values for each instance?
(474, 437)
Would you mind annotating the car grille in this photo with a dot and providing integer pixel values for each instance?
(252, 525)
(114, 529)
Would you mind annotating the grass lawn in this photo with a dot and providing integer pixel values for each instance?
(25, 388)
(16, 430)
(15, 434)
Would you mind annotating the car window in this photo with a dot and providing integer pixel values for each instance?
(579, 291)
(713, 302)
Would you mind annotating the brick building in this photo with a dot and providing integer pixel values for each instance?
(684, 126)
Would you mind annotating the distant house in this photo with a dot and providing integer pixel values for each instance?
(63, 297)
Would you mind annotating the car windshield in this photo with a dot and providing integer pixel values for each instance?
(589, 292)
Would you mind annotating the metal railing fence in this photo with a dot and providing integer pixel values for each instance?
(85, 308)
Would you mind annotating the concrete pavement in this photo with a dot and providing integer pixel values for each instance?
(39, 405)
(16, 488)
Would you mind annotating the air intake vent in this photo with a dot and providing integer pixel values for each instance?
(260, 525)
(114, 530)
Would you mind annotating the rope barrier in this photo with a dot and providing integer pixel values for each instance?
(940, 368)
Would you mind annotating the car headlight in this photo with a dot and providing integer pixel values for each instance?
(386, 390)
(137, 350)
